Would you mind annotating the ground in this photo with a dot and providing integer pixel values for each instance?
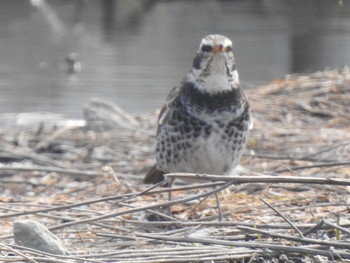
(86, 186)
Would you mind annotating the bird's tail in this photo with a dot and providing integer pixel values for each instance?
(154, 176)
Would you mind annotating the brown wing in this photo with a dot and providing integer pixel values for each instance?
(167, 109)
(155, 175)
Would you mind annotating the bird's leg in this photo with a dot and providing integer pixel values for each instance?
(170, 184)
(218, 207)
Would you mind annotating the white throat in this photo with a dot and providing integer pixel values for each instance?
(219, 82)
(214, 83)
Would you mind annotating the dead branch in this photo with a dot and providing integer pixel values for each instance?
(295, 168)
(230, 224)
(259, 178)
(49, 169)
(133, 210)
(250, 244)
(16, 252)
(110, 198)
(298, 239)
(36, 158)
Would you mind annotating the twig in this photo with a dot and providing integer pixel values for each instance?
(181, 254)
(218, 207)
(314, 156)
(241, 179)
(38, 259)
(130, 253)
(269, 156)
(250, 244)
(281, 215)
(4, 181)
(110, 198)
(49, 169)
(298, 239)
(36, 158)
(18, 253)
(263, 155)
(133, 210)
(38, 252)
(222, 224)
(326, 222)
(312, 166)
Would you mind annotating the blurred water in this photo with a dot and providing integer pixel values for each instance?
(133, 51)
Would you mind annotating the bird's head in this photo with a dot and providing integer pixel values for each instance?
(214, 68)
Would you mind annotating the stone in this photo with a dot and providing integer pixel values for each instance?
(32, 234)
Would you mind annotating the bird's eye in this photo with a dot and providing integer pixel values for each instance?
(206, 48)
(228, 48)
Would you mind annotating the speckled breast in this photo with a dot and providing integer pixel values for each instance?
(203, 134)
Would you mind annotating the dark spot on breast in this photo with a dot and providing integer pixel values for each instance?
(177, 116)
(186, 121)
(240, 126)
(230, 133)
(187, 128)
(208, 129)
(246, 116)
(220, 124)
(196, 134)
(197, 128)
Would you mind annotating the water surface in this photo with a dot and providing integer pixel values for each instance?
(134, 51)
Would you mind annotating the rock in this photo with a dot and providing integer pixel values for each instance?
(32, 234)
(102, 115)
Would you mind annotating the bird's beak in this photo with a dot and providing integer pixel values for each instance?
(218, 48)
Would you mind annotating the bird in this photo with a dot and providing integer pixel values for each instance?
(204, 124)
(73, 64)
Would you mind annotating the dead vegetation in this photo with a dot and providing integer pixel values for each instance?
(290, 203)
